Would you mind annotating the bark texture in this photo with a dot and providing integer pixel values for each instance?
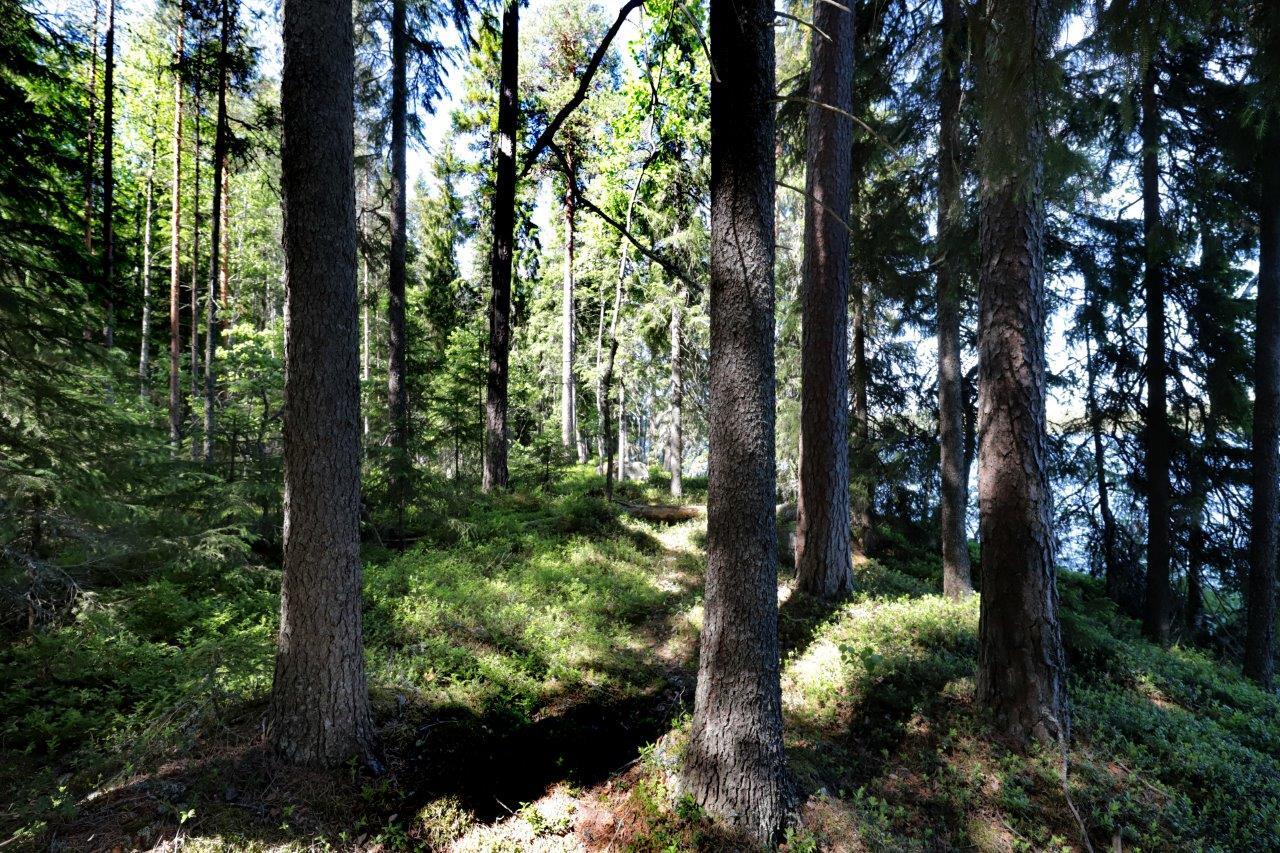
(823, 557)
(504, 226)
(954, 493)
(319, 713)
(1155, 616)
(735, 766)
(1021, 664)
(1260, 599)
(175, 243)
(675, 437)
(397, 390)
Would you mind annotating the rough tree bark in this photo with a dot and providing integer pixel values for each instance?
(109, 176)
(175, 242)
(1260, 598)
(217, 236)
(735, 766)
(397, 390)
(504, 224)
(319, 712)
(953, 494)
(1155, 616)
(1021, 664)
(824, 562)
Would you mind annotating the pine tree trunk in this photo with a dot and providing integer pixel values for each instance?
(216, 237)
(1021, 664)
(175, 243)
(91, 141)
(504, 223)
(623, 448)
(953, 494)
(1260, 596)
(675, 440)
(823, 557)
(1155, 617)
(397, 389)
(193, 290)
(144, 347)
(735, 766)
(862, 491)
(568, 388)
(109, 177)
(1117, 584)
(319, 711)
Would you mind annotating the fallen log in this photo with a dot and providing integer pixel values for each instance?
(666, 514)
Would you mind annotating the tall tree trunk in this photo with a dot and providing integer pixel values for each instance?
(175, 242)
(568, 387)
(953, 495)
(224, 270)
(91, 142)
(1260, 597)
(193, 291)
(1117, 584)
(319, 712)
(823, 557)
(216, 237)
(144, 347)
(1021, 664)
(862, 492)
(675, 439)
(109, 177)
(1155, 617)
(397, 389)
(623, 448)
(735, 766)
(504, 224)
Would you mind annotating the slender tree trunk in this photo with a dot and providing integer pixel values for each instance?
(144, 348)
(175, 242)
(862, 495)
(109, 176)
(954, 488)
(735, 766)
(193, 291)
(504, 223)
(568, 387)
(623, 448)
(319, 712)
(823, 557)
(397, 389)
(1155, 618)
(1260, 597)
(216, 238)
(224, 269)
(1118, 587)
(1021, 664)
(675, 445)
(91, 142)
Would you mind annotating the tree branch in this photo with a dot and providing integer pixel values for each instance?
(584, 83)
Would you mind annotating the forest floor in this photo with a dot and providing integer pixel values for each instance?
(531, 661)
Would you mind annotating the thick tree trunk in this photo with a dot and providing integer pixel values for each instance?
(504, 224)
(1260, 597)
(144, 347)
(953, 494)
(568, 387)
(397, 390)
(216, 237)
(675, 438)
(109, 177)
(319, 713)
(503, 243)
(735, 766)
(1155, 617)
(175, 243)
(1021, 664)
(823, 557)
